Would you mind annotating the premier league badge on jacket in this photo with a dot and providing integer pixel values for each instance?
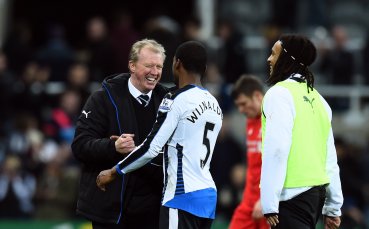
(165, 105)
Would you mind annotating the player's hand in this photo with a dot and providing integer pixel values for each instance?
(272, 219)
(124, 144)
(331, 222)
(256, 212)
(105, 177)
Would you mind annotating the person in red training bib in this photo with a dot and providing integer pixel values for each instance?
(248, 93)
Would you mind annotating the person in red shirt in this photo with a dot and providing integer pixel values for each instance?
(248, 93)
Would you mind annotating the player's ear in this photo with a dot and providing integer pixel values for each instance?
(177, 63)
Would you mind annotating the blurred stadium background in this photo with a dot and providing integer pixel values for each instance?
(54, 53)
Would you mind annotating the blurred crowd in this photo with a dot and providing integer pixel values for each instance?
(43, 89)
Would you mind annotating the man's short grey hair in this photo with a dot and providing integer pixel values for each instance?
(145, 43)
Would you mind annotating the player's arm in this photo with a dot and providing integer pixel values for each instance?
(166, 123)
(334, 200)
(277, 140)
(169, 114)
(105, 177)
(334, 197)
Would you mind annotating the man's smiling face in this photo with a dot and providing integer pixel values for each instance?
(146, 71)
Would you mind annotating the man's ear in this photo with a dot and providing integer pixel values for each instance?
(258, 95)
(131, 66)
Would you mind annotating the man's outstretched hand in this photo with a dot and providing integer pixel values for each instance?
(105, 177)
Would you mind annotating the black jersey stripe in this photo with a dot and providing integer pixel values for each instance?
(166, 163)
(181, 90)
(180, 183)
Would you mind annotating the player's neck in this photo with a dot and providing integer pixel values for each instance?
(190, 79)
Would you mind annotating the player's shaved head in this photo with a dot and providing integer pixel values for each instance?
(193, 56)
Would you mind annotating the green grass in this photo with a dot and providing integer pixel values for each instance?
(43, 224)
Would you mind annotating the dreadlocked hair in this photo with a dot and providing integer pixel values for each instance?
(309, 77)
(297, 53)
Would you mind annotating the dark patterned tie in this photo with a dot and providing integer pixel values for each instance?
(144, 99)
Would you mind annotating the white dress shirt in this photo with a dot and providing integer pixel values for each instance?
(135, 92)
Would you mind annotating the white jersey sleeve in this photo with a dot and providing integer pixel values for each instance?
(164, 126)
